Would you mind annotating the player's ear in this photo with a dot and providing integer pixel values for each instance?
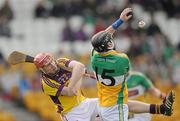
(110, 45)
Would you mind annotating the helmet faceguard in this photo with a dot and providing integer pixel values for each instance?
(45, 63)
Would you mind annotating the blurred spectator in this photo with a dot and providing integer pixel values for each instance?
(67, 33)
(6, 11)
(177, 8)
(1, 57)
(1, 89)
(167, 51)
(175, 67)
(157, 44)
(6, 15)
(60, 9)
(80, 34)
(145, 47)
(40, 10)
(135, 48)
(77, 7)
(24, 84)
(153, 28)
(15, 94)
(99, 25)
(91, 5)
(9, 80)
(139, 43)
(172, 7)
(105, 11)
(35, 83)
(168, 6)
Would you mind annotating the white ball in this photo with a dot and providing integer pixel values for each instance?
(141, 24)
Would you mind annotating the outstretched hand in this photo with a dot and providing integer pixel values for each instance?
(126, 14)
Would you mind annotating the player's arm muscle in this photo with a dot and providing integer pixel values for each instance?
(156, 92)
(78, 70)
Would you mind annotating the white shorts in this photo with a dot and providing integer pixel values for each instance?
(141, 117)
(114, 113)
(85, 111)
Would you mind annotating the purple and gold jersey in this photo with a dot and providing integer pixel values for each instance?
(53, 85)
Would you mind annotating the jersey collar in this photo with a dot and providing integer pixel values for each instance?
(107, 53)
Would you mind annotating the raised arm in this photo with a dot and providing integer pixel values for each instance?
(78, 70)
(124, 17)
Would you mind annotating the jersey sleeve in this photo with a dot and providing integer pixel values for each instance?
(125, 62)
(128, 61)
(123, 55)
(146, 82)
(63, 62)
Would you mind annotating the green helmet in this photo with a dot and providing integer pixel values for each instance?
(100, 41)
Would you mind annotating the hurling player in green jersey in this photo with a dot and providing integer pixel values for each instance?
(111, 68)
(138, 85)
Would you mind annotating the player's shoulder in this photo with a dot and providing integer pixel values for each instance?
(63, 63)
(121, 55)
(62, 59)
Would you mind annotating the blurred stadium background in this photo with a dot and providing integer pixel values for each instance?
(64, 28)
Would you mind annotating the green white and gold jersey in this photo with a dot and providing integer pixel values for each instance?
(137, 84)
(111, 69)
